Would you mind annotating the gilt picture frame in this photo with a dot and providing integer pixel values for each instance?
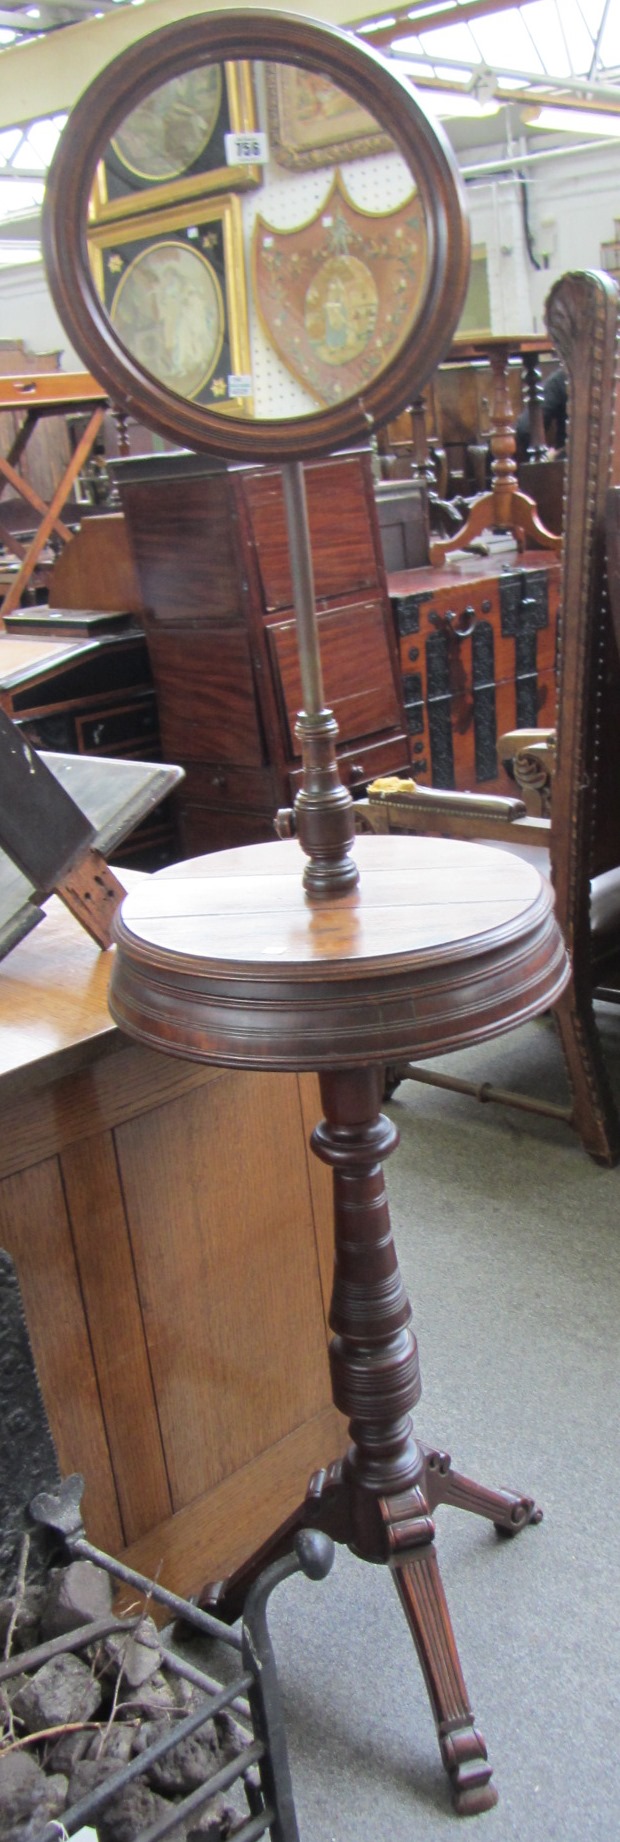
(172, 146)
(314, 123)
(173, 282)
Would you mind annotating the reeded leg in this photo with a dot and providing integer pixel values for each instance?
(420, 1589)
(509, 1511)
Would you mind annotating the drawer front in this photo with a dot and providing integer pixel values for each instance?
(222, 785)
(346, 556)
(127, 728)
(358, 677)
(359, 765)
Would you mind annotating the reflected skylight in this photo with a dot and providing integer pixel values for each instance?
(553, 38)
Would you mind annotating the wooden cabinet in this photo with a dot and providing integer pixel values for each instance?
(211, 551)
(175, 1291)
(478, 657)
(88, 697)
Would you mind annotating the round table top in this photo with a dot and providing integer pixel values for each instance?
(226, 959)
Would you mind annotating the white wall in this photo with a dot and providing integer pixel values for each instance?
(572, 201)
(27, 313)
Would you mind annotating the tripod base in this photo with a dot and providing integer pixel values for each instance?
(409, 1551)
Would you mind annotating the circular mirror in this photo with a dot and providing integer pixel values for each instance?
(254, 236)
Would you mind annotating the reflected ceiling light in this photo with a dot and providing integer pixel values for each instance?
(448, 104)
(573, 121)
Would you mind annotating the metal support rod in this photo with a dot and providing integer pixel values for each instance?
(294, 488)
(324, 817)
(484, 1091)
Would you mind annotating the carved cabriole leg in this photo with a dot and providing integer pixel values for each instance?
(376, 1382)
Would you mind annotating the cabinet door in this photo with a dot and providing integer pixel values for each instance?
(357, 672)
(346, 555)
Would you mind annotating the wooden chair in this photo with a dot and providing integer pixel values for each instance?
(582, 835)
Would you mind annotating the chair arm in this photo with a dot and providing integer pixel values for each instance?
(441, 799)
(395, 805)
(529, 757)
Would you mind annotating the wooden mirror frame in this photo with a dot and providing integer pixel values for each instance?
(368, 78)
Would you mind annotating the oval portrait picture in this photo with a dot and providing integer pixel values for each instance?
(167, 132)
(169, 312)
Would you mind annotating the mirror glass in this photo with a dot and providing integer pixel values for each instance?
(255, 237)
(259, 243)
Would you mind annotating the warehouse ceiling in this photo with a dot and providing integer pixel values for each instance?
(497, 74)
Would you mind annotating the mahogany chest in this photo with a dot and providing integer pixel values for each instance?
(211, 552)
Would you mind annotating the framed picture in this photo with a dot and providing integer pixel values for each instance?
(173, 283)
(314, 123)
(172, 146)
(337, 295)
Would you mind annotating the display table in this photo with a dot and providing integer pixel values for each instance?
(440, 944)
(165, 1276)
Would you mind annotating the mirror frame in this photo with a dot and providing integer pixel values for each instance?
(370, 80)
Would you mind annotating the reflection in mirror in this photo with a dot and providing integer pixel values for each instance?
(259, 243)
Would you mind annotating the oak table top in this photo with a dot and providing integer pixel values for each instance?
(54, 1013)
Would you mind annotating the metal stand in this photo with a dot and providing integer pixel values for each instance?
(262, 1767)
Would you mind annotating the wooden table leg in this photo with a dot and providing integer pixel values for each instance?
(379, 1499)
(504, 508)
(51, 513)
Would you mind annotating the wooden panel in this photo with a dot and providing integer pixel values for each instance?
(225, 1251)
(97, 569)
(402, 510)
(321, 1189)
(185, 547)
(461, 607)
(121, 1083)
(207, 700)
(103, 1254)
(357, 671)
(34, 1229)
(212, 1536)
(341, 517)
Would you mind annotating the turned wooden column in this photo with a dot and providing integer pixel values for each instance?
(533, 390)
(373, 1354)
